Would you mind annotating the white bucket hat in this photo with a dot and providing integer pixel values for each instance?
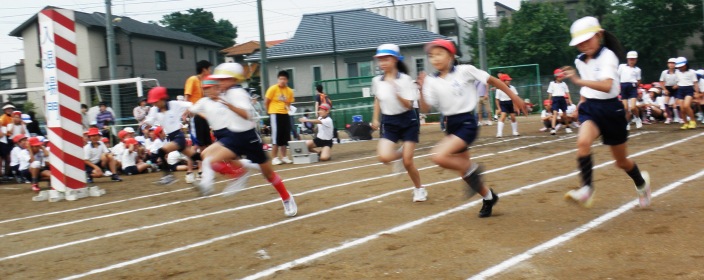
(389, 49)
(673, 60)
(26, 118)
(632, 54)
(228, 70)
(128, 129)
(584, 29)
(680, 61)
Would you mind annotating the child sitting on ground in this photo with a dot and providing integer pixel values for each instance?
(323, 139)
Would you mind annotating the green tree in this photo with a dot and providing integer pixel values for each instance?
(202, 24)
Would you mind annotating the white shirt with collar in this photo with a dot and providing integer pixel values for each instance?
(669, 79)
(219, 116)
(386, 91)
(455, 93)
(325, 128)
(502, 96)
(170, 119)
(628, 74)
(686, 78)
(93, 153)
(556, 89)
(599, 68)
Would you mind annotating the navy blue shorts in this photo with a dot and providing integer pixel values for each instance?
(559, 103)
(463, 126)
(507, 107)
(671, 91)
(178, 138)
(609, 116)
(404, 127)
(322, 143)
(130, 170)
(628, 91)
(245, 144)
(683, 92)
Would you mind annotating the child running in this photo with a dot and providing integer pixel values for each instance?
(600, 112)
(451, 90)
(394, 93)
(687, 86)
(323, 139)
(560, 96)
(630, 76)
(229, 117)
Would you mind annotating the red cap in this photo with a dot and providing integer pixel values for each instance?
(505, 77)
(104, 139)
(156, 94)
(93, 131)
(558, 73)
(16, 113)
(121, 134)
(324, 106)
(130, 141)
(158, 131)
(547, 102)
(445, 44)
(34, 141)
(17, 138)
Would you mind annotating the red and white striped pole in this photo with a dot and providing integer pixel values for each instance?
(63, 102)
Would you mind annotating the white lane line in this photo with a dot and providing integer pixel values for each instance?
(190, 188)
(409, 225)
(505, 265)
(209, 241)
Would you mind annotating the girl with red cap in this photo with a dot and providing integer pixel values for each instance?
(451, 90)
(506, 106)
(323, 139)
(600, 111)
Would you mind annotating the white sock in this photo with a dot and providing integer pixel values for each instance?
(514, 126)
(499, 128)
(207, 173)
(250, 165)
(488, 196)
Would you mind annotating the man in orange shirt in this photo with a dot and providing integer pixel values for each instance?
(277, 102)
(193, 92)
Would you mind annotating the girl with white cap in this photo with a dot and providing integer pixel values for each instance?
(668, 79)
(600, 112)
(630, 77)
(687, 86)
(452, 91)
(394, 92)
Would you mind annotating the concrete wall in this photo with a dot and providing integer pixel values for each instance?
(410, 13)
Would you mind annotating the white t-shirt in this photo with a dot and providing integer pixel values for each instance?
(175, 157)
(16, 129)
(23, 159)
(556, 89)
(571, 109)
(502, 96)
(219, 116)
(325, 128)
(14, 155)
(628, 74)
(545, 114)
(117, 151)
(668, 79)
(128, 158)
(170, 119)
(386, 91)
(455, 93)
(93, 154)
(600, 68)
(156, 145)
(688, 78)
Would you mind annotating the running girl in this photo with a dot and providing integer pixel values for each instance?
(630, 75)
(687, 86)
(451, 90)
(504, 102)
(560, 96)
(323, 139)
(394, 93)
(600, 112)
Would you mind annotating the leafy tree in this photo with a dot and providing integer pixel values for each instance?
(202, 24)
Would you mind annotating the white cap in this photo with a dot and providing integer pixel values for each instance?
(140, 139)
(8, 106)
(128, 129)
(680, 61)
(228, 70)
(632, 54)
(584, 29)
(673, 60)
(700, 72)
(26, 118)
(654, 89)
(389, 49)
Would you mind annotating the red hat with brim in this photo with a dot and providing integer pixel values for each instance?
(104, 140)
(505, 77)
(34, 142)
(93, 131)
(158, 130)
(445, 44)
(130, 141)
(156, 94)
(18, 138)
(16, 113)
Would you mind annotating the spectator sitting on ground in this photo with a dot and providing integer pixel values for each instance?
(97, 156)
(37, 158)
(21, 172)
(131, 164)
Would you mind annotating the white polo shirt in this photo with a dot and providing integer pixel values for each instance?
(93, 154)
(156, 145)
(219, 116)
(386, 91)
(128, 158)
(600, 68)
(23, 159)
(455, 93)
(628, 74)
(668, 79)
(502, 96)
(170, 119)
(325, 128)
(686, 79)
(556, 89)
(117, 151)
(14, 155)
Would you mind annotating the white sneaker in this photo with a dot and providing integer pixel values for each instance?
(543, 129)
(203, 190)
(568, 130)
(499, 135)
(276, 161)
(107, 174)
(290, 207)
(420, 194)
(584, 196)
(575, 125)
(558, 126)
(668, 121)
(639, 123)
(286, 160)
(236, 185)
(644, 193)
(190, 178)
(397, 167)
(515, 133)
(167, 180)
(489, 123)
(628, 127)
(552, 132)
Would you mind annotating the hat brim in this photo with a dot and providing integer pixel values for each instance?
(224, 76)
(680, 64)
(208, 86)
(579, 39)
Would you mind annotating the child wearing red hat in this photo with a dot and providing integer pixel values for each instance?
(323, 139)
(97, 156)
(38, 168)
(131, 164)
(503, 101)
(21, 172)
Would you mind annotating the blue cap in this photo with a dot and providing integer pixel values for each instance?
(389, 49)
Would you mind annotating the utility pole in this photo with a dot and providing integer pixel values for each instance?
(263, 74)
(112, 63)
(482, 40)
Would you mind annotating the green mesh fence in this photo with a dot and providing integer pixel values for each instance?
(350, 97)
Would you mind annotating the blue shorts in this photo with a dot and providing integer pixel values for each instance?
(628, 91)
(178, 138)
(463, 126)
(246, 144)
(404, 127)
(609, 116)
(559, 103)
(685, 91)
(506, 107)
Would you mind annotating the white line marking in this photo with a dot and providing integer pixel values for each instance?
(463, 207)
(505, 265)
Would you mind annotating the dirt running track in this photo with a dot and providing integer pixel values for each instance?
(357, 221)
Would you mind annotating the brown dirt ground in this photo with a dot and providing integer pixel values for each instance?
(661, 242)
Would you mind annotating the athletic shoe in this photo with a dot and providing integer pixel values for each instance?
(286, 160)
(487, 205)
(575, 125)
(115, 178)
(107, 173)
(557, 127)
(678, 120)
(568, 130)
(692, 125)
(553, 132)
(668, 121)
(628, 126)
(583, 196)
(515, 133)
(202, 189)
(684, 126)
(167, 180)
(35, 188)
(644, 192)
(290, 207)
(89, 180)
(237, 184)
(639, 123)
(646, 121)
(489, 123)
(198, 177)
(420, 194)
(397, 167)
(276, 161)
(190, 178)
(543, 129)
(499, 135)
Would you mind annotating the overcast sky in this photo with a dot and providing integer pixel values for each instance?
(281, 17)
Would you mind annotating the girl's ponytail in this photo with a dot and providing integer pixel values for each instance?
(401, 67)
(612, 43)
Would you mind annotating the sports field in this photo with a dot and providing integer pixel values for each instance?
(356, 219)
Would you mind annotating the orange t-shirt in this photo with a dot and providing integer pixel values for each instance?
(193, 89)
(5, 119)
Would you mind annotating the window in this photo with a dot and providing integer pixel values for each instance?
(420, 65)
(160, 60)
(317, 73)
(290, 77)
(359, 69)
(180, 51)
(420, 24)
